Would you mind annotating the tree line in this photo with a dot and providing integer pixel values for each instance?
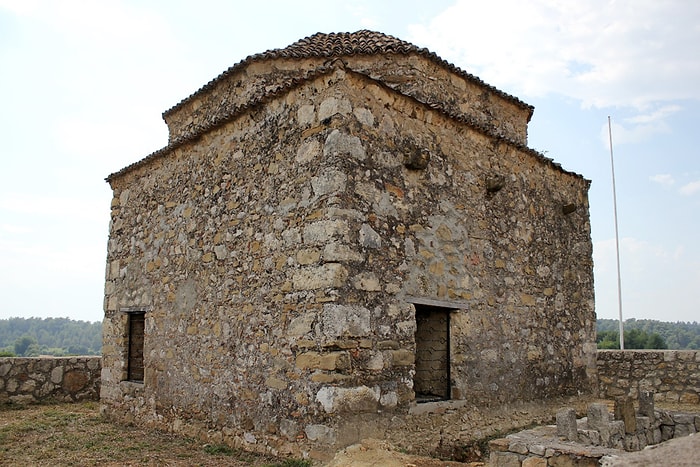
(649, 334)
(31, 337)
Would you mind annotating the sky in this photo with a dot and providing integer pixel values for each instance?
(83, 85)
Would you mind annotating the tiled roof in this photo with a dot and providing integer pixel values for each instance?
(364, 42)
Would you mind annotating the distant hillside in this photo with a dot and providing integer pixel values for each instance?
(679, 335)
(30, 337)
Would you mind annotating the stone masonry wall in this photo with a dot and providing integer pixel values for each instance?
(33, 380)
(672, 375)
(278, 257)
(412, 76)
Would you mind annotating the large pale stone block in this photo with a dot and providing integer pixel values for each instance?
(306, 115)
(342, 145)
(335, 361)
(331, 181)
(534, 462)
(354, 400)
(332, 106)
(320, 277)
(364, 116)
(367, 281)
(345, 320)
(57, 375)
(369, 238)
(308, 151)
(301, 325)
(337, 252)
(320, 433)
(322, 232)
(308, 256)
(308, 360)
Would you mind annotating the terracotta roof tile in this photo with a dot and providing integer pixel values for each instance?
(363, 42)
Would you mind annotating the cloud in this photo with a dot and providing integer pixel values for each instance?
(656, 115)
(15, 229)
(20, 7)
(99, 141)
(604, 54)
(640, 127)
(687, 189)
(690, 188)
(663, 179)
(362, 13)
(634, 133)
(46, 206)
(113, 23)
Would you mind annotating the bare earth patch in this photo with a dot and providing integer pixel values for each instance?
(76, 434)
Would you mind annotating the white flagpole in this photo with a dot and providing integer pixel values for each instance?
(617, 240)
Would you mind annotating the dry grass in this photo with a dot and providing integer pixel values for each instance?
(75, 434)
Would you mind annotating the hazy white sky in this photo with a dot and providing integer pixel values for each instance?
(83, 85)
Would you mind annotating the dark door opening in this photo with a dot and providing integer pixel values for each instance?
(135, 349)
(432, 379)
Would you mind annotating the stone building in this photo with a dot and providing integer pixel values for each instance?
(337, 232)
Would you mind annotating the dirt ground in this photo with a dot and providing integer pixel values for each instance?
(75, 434)
(374, 453)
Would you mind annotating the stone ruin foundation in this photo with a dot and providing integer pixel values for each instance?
(595, 439)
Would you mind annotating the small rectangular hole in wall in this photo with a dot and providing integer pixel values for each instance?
(136, 329)
(432, 379)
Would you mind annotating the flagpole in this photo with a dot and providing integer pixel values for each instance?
(617, 240)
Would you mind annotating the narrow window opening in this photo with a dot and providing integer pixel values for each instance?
(135, 350)
(432, 379)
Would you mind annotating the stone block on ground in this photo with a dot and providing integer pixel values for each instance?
(624, 410)
(566, 424)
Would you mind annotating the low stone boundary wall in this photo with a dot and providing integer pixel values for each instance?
(66, 379)
(594, 440)
(672, 375)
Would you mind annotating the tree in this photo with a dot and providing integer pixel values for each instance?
(655, 341)
(53, 336)
(635, 338)
(23, 344)
(608, 340)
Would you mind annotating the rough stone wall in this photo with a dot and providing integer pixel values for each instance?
(33, 380)
(278, 255)
(672, 375)
(412, 75)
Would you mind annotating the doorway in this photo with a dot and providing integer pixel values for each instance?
(432, 379)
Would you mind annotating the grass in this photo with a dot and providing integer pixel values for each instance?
(76, 435)
(291, 463)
